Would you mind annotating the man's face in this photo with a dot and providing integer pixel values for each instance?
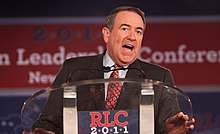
(124, 41)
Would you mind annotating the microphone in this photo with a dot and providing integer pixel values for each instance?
(108, 69)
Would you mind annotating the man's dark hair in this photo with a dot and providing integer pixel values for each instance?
(109, 23)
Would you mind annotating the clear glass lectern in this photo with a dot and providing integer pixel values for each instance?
(83, 106)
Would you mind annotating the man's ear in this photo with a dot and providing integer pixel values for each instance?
(105, 34)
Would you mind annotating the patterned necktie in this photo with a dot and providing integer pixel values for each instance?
(114, 90)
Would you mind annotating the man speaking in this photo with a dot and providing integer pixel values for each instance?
(123, 34)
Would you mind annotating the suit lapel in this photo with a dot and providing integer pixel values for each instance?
(96, 67)
(134, 72)
(96, 72)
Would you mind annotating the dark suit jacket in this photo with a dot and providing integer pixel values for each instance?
(164, 105)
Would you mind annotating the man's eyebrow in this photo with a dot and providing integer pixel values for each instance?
(140, 28)
(130, 26)
(125, 25)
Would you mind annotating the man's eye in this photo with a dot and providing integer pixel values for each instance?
(139, 32)
(124, 28)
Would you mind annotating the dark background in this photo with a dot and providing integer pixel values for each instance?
(40, 8)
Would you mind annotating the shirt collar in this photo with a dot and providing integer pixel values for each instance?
(107, 60)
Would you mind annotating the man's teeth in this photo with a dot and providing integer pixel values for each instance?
(128, 46)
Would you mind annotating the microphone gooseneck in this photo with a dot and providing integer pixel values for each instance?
(81, 69)
(105, 69)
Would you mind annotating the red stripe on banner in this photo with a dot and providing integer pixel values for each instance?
(31, 54)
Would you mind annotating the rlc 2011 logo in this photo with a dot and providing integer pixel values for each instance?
(106, 123)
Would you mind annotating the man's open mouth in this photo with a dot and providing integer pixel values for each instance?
(128, 46)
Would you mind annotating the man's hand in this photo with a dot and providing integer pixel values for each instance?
(39, 131)
(179, 124)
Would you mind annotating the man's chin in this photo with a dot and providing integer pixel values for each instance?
(126, 61)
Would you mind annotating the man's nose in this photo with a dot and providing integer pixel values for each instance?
(131, 36)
